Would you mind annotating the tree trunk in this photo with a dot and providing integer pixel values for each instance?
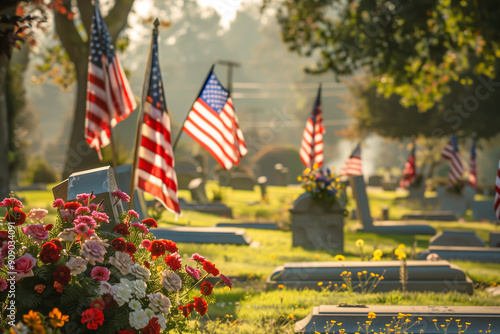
(4, 130)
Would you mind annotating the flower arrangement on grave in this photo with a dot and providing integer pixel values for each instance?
(323, 185)
(85, 274)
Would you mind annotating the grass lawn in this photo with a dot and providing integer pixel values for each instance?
(249, 308)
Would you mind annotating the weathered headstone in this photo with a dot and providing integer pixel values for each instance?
(484, 210)
(241, 181)
(375, 181)
(437, 276)
(495, 239)
(123, 177)
(455, 202)
(317, 227)
(204, 235)
(476, 254)
(423, 319)
(454, 238)
(281, 176)
(100, 181)
(385, 227)
(197, 189)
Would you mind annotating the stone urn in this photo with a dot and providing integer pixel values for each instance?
(316, 226)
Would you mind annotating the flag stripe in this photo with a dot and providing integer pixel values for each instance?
(311, 147)
(451, 152)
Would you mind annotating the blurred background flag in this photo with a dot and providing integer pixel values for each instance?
(409, 171)
(472, 165)
(109, 97)
(311, 149)
(451, 152)
(352, 166)
(497, 194)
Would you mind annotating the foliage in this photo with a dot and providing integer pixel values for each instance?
(323, 185)
(109, 276)
(42, 172)
(413, 49)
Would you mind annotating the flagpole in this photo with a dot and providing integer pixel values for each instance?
(141, 117)
(113, 151)
(197, 96)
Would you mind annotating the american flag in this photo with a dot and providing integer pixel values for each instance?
(154, 164)
(409, 171)
(311, 149)
(352, 166)
(214, 125)
(472, 165)
(497, 194)
(109, 97)
(451, 152)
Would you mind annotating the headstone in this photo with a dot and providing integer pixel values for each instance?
(385, 212)
(187, 170)
(482, 210)
(457, 203)
(454, 238)
(431, 215)
(197, 189)
(354, 214)
(285, 174)
(123, 177)
(495, 239)
(382, 227)
(204, 235)
(255, 225)
(375, 181)
(437, 276)
(390, 185)
(218, 209)
(100, 181)
(262, 182)
(280, 176)
(476, 254)
(324, 319)
(317, 227)
(241, 181)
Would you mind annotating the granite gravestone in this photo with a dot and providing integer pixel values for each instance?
(454, 238)
(241, 181)
(458, 203)
(495, 239)
(484, 210)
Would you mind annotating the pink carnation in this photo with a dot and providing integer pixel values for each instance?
(37, 231)
(12, 202)
(58, 203)
(23, 266)
(93, 207)
(226, 281)
(198, 258)
(146, 243)
(121, 195)
(37, 214)
(194, 273)
(87, 220)
(85, 198)
(142, 227)
(83, 210)
(81, 228)
(100, 216)
(100, 273)
(133, 213)
(3, 284)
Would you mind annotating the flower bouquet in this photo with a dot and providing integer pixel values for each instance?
(85, 274)
(323, 185)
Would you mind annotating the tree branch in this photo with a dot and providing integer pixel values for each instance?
(86, 13)
(117, 18)
(69, 36)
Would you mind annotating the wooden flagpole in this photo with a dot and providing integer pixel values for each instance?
(140, 118)
(197, 96)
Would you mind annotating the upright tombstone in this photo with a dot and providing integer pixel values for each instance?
(241, 181)
(484, 210)
(375, 181)
(197, 189)
(123, 177)
(315, 226)
(456, 202)
(363, 207)
(262, 182)
(100, 181)
(495, 239)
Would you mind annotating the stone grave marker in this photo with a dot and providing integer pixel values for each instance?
(123, 178)
(101, 181)
(477, 254)
(186, 170)
(484, 210)
(454, 238)
(457, 203)
(388, 227)
(495, 239)
(437, 276)
(315, 227)
(375, 181)
(447, 216)
(324, 318)
(262, 182)
(241, 181)
(197, 189)
(203, 235)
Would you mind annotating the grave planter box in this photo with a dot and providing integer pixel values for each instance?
(438, 276)
(324, 318)
(317, 227)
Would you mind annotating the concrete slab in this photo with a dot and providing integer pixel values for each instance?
(323, 317)
(431, 215)
(203, 235)
(255, 225)
(476, 254)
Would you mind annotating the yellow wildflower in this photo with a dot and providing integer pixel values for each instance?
(378, 253)
(401, 246)
(339, 257)
(320, 283)
(371, 315)
(281, 286)
(360, 243)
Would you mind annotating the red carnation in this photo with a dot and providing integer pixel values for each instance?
(146, 264)
(50, 252)
(62, 275)
(186, 309)
(170, 246)
(72, 206)
(98, 304)
(150, 222)
(206, 288)
(93, 318)
(131, 249)
(157, 249)
(49, 227)
(122, 229)
(173, 261)
(108, 300)
(153, 327)
(57, 243)
(200, 305)
(210, 268)
(126, 331)
(17, 216)
(4, 236)
(119, 245)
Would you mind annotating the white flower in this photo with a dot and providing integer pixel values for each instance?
(138, 319)
(159, 303)
(77, 265)
(162, 321)
(106, 288)
(140, 272)
(134, 304)
(20, 328)
(123, 291)
(170, 281)
(123, 262)
(432, 257)
(150, 313)
(139, 288)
